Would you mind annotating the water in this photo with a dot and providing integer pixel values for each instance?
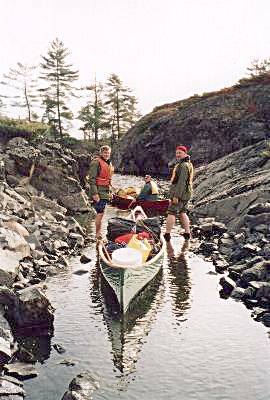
(182, 341)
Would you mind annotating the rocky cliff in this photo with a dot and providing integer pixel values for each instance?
(214, 124)
(227, 188)
(48, 168)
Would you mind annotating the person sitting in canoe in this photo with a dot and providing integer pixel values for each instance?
(149, 191)
(100, 174)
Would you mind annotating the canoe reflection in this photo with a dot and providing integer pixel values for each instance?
(126, 332)
(179, 279)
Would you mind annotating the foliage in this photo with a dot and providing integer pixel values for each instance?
(24, 83)
(266, 153)
(93, 114)
(258, 68)
(31, 130)
(122, 106)
(59, 77)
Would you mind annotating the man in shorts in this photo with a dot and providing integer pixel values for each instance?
(180, 193)
(99, 177)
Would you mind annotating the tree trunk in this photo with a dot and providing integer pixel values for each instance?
(117, 115)
(27, 103)
(58, 105)
(95, 113)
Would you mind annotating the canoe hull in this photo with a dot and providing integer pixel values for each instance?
(128, 282)
(159, 206)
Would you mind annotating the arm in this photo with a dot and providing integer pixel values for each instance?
(93, 173)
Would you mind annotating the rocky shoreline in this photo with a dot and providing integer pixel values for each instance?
(235, 191)
(37, 238)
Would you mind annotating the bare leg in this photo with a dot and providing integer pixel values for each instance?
(170, 221)
(98, 221)
(185, 222)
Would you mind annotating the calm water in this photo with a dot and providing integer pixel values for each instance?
(182, 341)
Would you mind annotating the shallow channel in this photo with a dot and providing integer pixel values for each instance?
(182, 340)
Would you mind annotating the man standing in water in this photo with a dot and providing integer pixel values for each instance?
(180, 193)
(100, 174)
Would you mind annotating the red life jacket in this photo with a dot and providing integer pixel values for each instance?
(105, 173)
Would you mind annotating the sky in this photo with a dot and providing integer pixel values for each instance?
(164, 50)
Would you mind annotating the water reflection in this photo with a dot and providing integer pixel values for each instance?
(127, 332)
(179, 279)
(33, 348)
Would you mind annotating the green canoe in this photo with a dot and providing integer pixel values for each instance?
(128, 331)
(128, 281)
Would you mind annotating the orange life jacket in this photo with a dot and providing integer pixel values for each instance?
(105, 173)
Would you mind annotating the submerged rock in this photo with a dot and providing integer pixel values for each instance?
(81, 387)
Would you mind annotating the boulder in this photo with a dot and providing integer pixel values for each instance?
(81, 387)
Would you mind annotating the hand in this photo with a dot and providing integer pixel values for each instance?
(175, 200)
(96, 198)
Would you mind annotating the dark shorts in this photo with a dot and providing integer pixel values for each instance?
(100, 205)
(175, 209)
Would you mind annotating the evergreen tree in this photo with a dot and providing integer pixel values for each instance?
(93, 114)
(2, 106)
(122, 106)
(258, 68)
(24, 83)
(59, 77)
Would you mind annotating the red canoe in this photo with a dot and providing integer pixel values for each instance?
(158, 206)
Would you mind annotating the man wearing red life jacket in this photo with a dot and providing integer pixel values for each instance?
(180, 193)
(99, 177)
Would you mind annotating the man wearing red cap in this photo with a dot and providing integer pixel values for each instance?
(180, 193)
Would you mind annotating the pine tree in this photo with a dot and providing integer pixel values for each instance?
(122, 106)
(59, 76)
(24, 83)
(258, 68)
(93, 114)
(2, 107)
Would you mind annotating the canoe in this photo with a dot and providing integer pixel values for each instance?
(128, 281)
(159, 206)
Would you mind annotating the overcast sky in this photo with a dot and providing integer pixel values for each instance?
(165, 50)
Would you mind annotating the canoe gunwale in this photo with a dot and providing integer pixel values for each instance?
(127, 204)
(132, 267)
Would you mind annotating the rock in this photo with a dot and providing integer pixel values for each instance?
(259, 272)
(9, 388)
(9, 267)
(16, 243)
(21, 370)
(266, 319)
(42, 203)
(84, 259)
(16, 227)
(226, 242)
(81, 271)
(82, 387)
(60, 349)
(77, 237)
(60, 245)
(33, 239)
(259, 208)
(238, 293)
(207, 248)
(30, 308)
(262, 228)
(220, 266)
(227, 284)
(68, 363)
